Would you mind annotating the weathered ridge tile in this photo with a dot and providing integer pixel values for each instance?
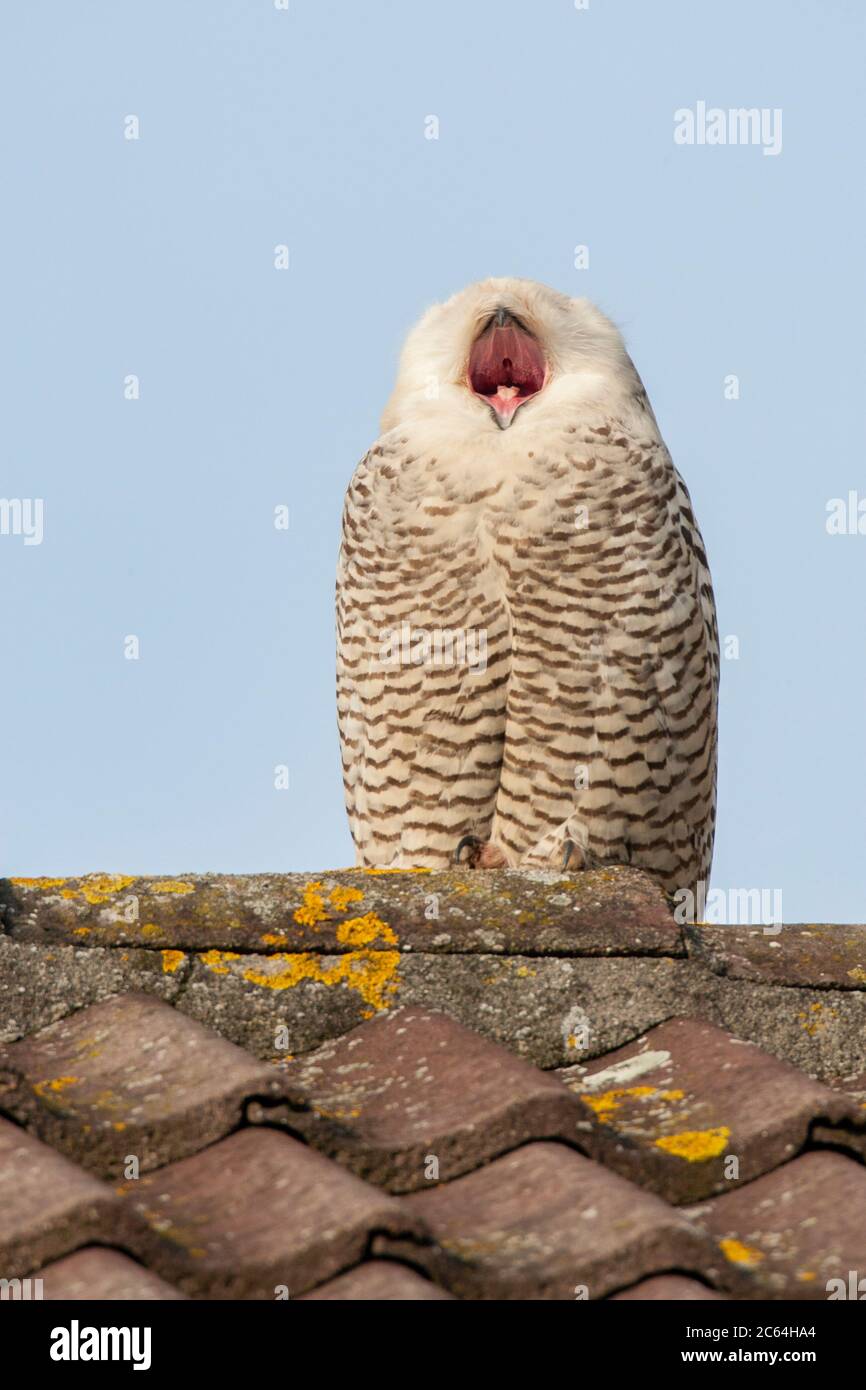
(818, 955)
(614, 911)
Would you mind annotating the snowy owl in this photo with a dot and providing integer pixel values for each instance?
(527, 650)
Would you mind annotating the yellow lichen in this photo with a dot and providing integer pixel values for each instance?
(362, 931)
(417, 870)
(98, 888)
(373, 974)
(273, 938)
(696, 1145)
(312, 909)
(55, 1084)
(216, 960)
(858, 974)
(671, 1095)
(818, 1020)
(605, 1104)
(38, 882)
(740, 1254)
(171, 961)
(339, 898)
(172, 885)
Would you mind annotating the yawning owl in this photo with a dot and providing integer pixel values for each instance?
(527, 657)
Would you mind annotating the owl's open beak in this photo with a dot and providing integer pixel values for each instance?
(506, 366)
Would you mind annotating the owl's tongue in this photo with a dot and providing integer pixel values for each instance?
(506, 367)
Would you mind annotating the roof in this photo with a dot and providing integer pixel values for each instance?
(372, 1086)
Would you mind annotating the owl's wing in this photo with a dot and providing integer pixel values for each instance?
(423, 657)
(611, 727)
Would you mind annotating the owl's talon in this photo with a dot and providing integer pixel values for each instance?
(475, 845)
(567, 852)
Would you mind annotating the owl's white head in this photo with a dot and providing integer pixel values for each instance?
(506, 353)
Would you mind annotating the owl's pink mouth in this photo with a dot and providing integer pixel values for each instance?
(506, 366)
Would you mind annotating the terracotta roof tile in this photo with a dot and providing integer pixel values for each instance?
(667, 1288)
(129, 1076)
(543, 1222)
(48, 1205)
(690, 1110)
(787, 1234)
(97, 1273)
(256, 1212)
(379, 1280)
(413, 1097)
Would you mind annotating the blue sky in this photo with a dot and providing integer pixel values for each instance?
(261, 387)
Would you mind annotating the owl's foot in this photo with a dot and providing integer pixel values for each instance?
(558, 849)
(474, 845)
(483, 854)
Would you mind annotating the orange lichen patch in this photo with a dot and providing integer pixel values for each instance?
(119, 1125)
(806, 1275)
(80, 931)
(171, 961)
(150, 928)
(336, 1114)
(216, 960)
(740, 1254)
(38, 882)
(339, 898)
(816, 1018)
(671, 1095)
(373, 974)
(417, 870)
(95, 888)
(172, 885)
(54, 1085)
(312, 909)
(98, 888)
(370, 971)
(273, 938)
(696, 1145)
(363, 931)
(605, 1104)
